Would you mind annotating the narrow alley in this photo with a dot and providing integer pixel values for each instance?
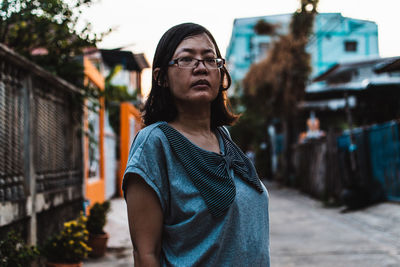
(303, 233)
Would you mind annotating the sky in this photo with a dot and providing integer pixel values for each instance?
(138, 25)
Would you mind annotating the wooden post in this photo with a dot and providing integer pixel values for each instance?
(30, 178)
(350, 121)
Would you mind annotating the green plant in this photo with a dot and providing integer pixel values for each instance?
(49, 32)
(70, 245)
(15, 253)
(114, 95)
(98, 218)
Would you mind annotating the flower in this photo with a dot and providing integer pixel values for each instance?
(70, 244)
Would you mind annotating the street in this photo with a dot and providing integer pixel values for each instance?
(303, 233)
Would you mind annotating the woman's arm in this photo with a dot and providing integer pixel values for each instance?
(145, 221)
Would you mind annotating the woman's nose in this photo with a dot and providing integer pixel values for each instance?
(201, 66)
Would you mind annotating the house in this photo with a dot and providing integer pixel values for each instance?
(129, 75)
(369, 89)
(335, 38)
(132, 66)
(358, 103)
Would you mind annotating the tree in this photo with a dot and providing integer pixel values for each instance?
(263, 27)
(45, 32)
(274, 86)
(114, 95)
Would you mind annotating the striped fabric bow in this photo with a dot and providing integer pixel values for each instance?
(210, 171)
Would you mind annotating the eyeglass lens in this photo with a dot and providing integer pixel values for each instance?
(194, 62)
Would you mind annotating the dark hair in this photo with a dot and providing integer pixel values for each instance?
(160, 105)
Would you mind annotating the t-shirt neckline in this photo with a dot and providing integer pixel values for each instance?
(217, 133)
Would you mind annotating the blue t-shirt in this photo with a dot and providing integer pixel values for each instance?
(192, 235)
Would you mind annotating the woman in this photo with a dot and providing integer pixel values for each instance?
(193, 198)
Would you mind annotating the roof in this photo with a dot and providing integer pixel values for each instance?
(354, 86)
(141, 60)
(340, 68)
(389, 65)
(356, 76)
(129, 60)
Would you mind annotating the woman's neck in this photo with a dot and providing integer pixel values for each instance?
(195, 125)
(193, 119)
(198, 131)
(192, 125)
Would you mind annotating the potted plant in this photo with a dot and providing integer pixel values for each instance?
(69, 247)
(96, 221)
(15, 253)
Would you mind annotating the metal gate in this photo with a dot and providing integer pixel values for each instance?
(384, 145)
(378, 157)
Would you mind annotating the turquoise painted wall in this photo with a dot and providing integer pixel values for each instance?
(326, 46)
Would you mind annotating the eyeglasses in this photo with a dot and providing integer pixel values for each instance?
(191, 63)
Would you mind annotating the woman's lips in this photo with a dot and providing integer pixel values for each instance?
(201, 84)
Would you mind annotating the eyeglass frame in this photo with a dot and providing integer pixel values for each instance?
(176, 60)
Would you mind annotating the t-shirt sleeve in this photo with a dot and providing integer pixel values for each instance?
(146, 159)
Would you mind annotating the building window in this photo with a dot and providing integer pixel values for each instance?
(262, 50)
(350, 46)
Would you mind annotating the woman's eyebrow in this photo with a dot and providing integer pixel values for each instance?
(192, 51)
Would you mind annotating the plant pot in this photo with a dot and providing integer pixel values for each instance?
(98, 243)
(54, 264)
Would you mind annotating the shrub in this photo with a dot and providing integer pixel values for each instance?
(97, 218)
(15, 253)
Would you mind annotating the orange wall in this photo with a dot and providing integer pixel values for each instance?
(127, 111)
(94, 187)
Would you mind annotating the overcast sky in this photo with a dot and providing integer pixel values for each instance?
(140, 24)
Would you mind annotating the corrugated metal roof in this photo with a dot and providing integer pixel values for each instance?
(126, 58)
(142, 61)
(353, 86)
(341, 68)
(388, 66)
(355, 76)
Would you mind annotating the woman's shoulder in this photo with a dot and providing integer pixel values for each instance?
(147, 143)
(151, 133)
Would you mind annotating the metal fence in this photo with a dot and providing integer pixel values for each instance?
(324, 167)
(377, 153)
(41, 166)
(385, 157)
(316, 163)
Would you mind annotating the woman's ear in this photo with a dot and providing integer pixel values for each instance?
(156, 72)
(223, 81)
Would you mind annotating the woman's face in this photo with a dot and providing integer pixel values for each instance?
(198, 85)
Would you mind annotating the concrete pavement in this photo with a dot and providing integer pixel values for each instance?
(303, 233)
(119, 246)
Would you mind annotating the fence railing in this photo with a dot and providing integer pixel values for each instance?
(377, 158)
(41, 166)
(317, 173)
(324, 169)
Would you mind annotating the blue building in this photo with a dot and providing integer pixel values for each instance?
(335, 39)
